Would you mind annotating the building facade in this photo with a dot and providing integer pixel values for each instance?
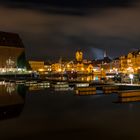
(131, 62)
(37, 65)
(12, 52)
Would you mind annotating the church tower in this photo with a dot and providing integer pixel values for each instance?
(79, 56)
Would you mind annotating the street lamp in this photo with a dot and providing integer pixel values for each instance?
(131, 76)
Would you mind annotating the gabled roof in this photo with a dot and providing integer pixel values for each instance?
(10, 40)
(104, 60)
(47, 63)
(117, 58)
(136, 52)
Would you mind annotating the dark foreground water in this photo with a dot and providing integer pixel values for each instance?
(48, 114)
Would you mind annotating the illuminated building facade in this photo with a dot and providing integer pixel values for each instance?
(81, 68)
(56, 67)
(70, 66)
(115, 64)
(104, 64)
(12, 52)
(48, 67)
(123, 61)
(37, 66)
(130, 63)
(124, 64)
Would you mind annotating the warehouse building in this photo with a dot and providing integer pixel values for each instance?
(12, 52)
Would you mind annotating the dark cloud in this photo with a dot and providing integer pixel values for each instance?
(59, 44)
(51, 36)
(73, 3)
(69, 7)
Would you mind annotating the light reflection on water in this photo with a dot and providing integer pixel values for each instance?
(46, 113)
(12, 98)
(78, 78)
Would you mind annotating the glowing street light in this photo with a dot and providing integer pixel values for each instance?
(131, 76)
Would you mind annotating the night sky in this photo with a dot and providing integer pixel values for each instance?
(51, 29)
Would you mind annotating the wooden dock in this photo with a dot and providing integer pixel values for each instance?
(129, 93)
(110, 89)
(86, 91)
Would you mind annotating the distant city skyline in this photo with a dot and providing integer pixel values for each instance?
(51, 32)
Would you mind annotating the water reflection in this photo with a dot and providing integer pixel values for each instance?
(62, 86)
(12, 99)
(82, 85)
(82, 78)
(86, 78)
(12, 96)
(48, 114)
(38, 86)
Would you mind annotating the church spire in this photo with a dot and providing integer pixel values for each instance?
(105, 54)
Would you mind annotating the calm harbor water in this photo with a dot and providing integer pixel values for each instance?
(45, 113)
